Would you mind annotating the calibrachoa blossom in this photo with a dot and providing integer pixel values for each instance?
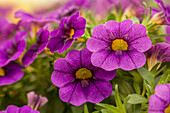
(12, 49)
(158, 53)
(15, 109)
(119, 45)
(36, 101)
(69, 29)
(79, 80)
(160, 101)
(38, 47)
(10, 73)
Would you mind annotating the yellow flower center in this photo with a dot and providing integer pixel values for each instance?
(119, 44)
(71, 33)
(2, 72)
(83, 73)
(167, 110)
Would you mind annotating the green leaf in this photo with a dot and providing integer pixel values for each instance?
(119, 104)
(137, 88)
(146, 75)
(85, 108)
(109, 107)
(111, 17)
(135, 20)
(164, 77)
(136, 99)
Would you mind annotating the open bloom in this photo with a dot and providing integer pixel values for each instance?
(36, 101)
(12, 49)
(158, 53)
(119, 45)
(15, 109)
(38, 47)
(160, 101)
(69, 29)
(79, 80)
(10, 73)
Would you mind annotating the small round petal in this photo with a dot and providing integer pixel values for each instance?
(132, 60)
(67, 44)
(96, 45)
(55, 44)
(80, 23)
(12, 109)
(25, 109)
(156, 104)
(98, 58)
(86, 58)
(78, 33)
(104, 75)
(73, 93)
(163, 92)
(66, 68)
(100, 32)
(97, 91)
(124, 27)
(134, 33)
(60, 79)
(141, 44)
(168, 32)
(74, 59)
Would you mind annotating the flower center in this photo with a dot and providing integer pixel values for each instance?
(83, 73)
(119, 44)
(167, 110)
(2, 72)
(71, 33)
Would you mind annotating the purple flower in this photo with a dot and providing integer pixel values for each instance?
(36, 101)
(79, 80)
(10, 73)
(38, 47)
(160, 101)
(12, 49)
(158, 53)
(119, 45)
(166, 10)
(168, 32)
(15, 109)
(69, 29)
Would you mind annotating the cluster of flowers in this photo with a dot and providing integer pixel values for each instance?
(84, 75)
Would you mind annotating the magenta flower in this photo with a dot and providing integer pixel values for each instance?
(15, 109)
(79, 80)
(12, 49)
(10, 73)
(119, 45)
(69, 29)
(160, 101)
(38, 47)
(158, 53)
(168, 32)
(36, 101)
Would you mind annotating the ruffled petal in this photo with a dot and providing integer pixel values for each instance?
(104, 75)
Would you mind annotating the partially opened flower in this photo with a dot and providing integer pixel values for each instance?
(79, 80)
(15, 109)
(12, 49)
(168, 32)
(37, 48)
(36, 101)
(10, 73)
(160, 101)
(69, 29)
(158, 53)
(119, 45)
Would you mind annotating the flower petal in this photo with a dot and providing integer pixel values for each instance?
(86, 57)
(60, 79)
(156, 104)
(163, 92)
(12, 109)
(73, 93)
(104, 75)
(96, 45)
(80, 23)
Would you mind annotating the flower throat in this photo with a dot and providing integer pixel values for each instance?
(119, 44)
(83, 73)
(2, 72)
